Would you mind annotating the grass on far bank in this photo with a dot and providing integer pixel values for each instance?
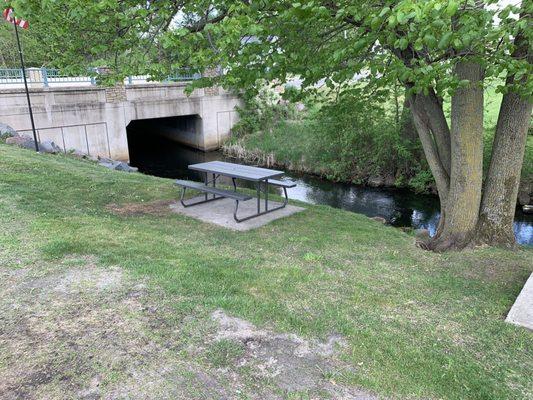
(417, 325)
(293, 146)
(298, 144)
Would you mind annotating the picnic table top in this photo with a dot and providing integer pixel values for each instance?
(237, 170)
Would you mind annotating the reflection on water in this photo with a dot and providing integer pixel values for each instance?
(523, 228)
(399, 207)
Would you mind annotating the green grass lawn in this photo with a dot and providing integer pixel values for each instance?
(417, 324)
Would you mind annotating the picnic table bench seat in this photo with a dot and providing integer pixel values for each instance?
(284, 184)
(216, 192)
(213, 190)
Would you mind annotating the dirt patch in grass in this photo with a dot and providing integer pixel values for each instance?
(77, 330)
(81, 331)
(291, 363)
(157, 208)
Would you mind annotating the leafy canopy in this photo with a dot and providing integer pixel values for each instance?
(411, 41)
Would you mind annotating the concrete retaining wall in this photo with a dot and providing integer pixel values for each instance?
(94, 119)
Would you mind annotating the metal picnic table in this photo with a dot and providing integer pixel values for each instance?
(215, 169)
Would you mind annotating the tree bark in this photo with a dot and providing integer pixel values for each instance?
(407, 125)
(421, 120)
(456, 157)
(423, 127)
(439, 127)
(462, 204)
(503, 178)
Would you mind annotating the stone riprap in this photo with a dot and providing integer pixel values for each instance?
(27, 142)
(116, 165)
(6, 131)
(50, 147)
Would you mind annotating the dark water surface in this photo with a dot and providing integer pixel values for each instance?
(400, 207)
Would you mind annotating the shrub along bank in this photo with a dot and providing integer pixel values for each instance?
(358, 138)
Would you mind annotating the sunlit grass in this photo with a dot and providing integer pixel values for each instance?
(417, 324)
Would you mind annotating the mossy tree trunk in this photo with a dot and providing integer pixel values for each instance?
(503, 178)
(464, 195)
(421, 121)
(455, 156)
(407, 125)
(471, 214)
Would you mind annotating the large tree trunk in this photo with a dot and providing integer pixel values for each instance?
(503, 178)
(456, 158)
(421, 120)
(407, 125)
(462, 204)
(439, 127)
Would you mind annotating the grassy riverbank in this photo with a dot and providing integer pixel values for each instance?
(292, 145)
(356, 141)
(123, 295)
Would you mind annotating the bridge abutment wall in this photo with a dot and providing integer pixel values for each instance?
(94, 120)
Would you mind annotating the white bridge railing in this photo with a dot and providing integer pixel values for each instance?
(46, 77)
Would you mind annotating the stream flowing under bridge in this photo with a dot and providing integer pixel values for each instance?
(96, 120)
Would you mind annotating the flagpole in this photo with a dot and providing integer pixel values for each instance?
(26, 86)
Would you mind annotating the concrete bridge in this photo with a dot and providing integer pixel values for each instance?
(96, 120)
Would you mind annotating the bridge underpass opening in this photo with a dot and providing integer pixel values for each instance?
(167, 146)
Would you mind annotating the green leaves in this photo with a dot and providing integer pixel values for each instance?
(384, 11)
(452, 8)
(309, 39)
(401, 18)
(430, 41)
(360, 45)
(445, 40)
(403, 43)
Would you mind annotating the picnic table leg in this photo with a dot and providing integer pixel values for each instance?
(259, 212)
(266, 194)
(214, 184)
(258, 197)
(206, 184)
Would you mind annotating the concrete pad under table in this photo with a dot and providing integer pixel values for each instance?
(220, 212)
(522, 311)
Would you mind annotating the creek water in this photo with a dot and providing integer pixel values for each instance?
(400, 207)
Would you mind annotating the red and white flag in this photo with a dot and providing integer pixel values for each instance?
(9, 16)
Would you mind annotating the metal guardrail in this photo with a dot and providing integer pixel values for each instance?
(50, 76)
(10, 75)
(183, 77)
